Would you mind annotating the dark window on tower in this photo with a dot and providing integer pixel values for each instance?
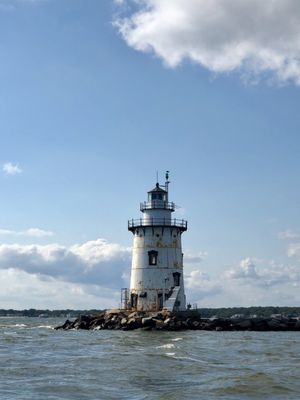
(152, 257)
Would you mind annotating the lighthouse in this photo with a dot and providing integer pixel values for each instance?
(156, 281)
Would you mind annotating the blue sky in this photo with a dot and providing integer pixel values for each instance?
(96, 96)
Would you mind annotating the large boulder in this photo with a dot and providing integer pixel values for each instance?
(97, 323)
(276, 324)
(66, 325)
(83, 322)
(133, 323)
(260, 324)
(242, 324)
(159, 324)
(148, 322)
(297, 325)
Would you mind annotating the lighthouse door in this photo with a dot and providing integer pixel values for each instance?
(160, 301)
(176, 277)
(133, 300)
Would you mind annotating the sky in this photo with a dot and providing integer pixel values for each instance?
(96, 97)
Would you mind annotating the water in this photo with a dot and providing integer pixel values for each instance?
(37, 362)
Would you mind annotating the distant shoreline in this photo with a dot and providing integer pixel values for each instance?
(225, 312)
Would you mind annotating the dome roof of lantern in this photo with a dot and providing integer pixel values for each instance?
(158, 189)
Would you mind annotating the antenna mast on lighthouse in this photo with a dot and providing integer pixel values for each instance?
(167, 181)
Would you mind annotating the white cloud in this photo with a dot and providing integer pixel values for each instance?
(237, 294)
(90, 275)
(199, 285)
(270, 275)
(288, 234)
(19, 290)
(244, 285)
(95, 261)
(194, 258)
(5, 232)
(79, 276)
(252, 37)
(31, 232)
(246, 269)
(294, 250)
(11, 169)
(99, 250)
(36, 232)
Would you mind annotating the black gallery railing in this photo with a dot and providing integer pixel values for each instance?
(175, 222)
(165, 205)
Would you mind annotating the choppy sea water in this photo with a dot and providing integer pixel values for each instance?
(37, 362)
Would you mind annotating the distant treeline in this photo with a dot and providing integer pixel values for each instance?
(32, 312)
(253, 312)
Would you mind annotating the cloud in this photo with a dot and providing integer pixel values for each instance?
(20, 289)
(5, 232)
(270, 275)
(246, 270)
(294, 244)
(199, 285)
(31, 232)
(11, 169)
(246, 284)
(36, 232)
(294, 250)
(194, 258)
(94, 262)
(288, 234)
(252, 37)
(88, 275)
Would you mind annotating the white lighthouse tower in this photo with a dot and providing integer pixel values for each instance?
(157, 258)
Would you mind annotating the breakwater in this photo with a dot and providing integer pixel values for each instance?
(164, 320)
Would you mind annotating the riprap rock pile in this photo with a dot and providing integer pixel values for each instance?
(164, 320)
